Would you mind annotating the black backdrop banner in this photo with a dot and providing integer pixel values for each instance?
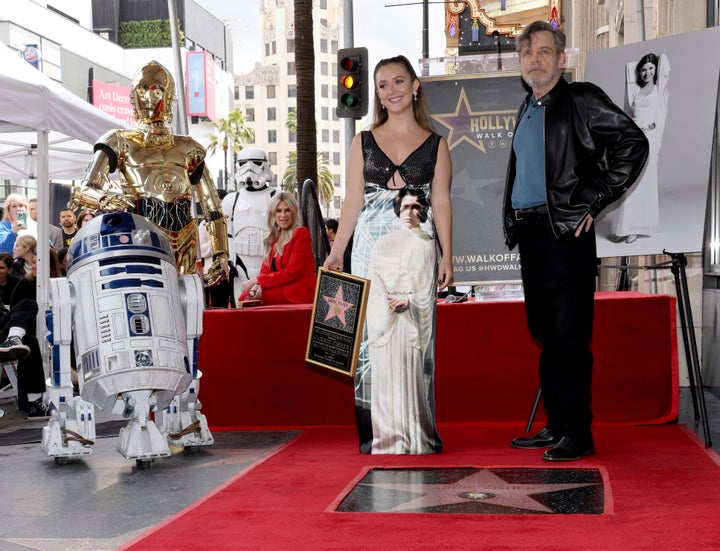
(476, 115)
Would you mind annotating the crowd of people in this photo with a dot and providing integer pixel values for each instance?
(395, 229)
(18, 304)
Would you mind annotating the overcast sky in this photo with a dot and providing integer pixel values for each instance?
(385, 31)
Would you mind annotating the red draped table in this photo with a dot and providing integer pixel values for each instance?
(255, 375)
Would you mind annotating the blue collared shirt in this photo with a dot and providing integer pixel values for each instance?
(529, 147)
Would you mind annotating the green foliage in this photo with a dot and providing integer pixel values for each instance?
(326, 181)
(229, 135)
(154, 33)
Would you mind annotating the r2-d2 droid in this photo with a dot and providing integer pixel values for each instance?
(246, 212)
(136, 327)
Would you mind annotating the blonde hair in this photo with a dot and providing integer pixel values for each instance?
(29, 241)
(13, 198)
(276, 236)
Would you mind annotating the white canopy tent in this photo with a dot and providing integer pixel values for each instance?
(45, 132)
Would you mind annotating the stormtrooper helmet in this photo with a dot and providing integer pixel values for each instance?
(252, 168)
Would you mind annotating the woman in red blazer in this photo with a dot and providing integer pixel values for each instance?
(287, 274)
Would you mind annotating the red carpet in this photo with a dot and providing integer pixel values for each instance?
(662, 491)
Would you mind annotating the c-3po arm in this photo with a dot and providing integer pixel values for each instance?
(92, 193)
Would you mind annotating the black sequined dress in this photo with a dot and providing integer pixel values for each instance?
(394, 396)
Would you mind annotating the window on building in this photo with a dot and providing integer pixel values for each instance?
(324, 45)
(291, 110)
(323, 5)
(292, 90)
(249, 92)
(291, 46)
(324, 68)
(267, 49)
(336, 136)
(272, 157)
(250, 114)
(324, 114)
(336, 158)
(334, 46)
(271, 114)
(292, 137)
(325, 133)
(272, 136)
(271, 91)
(324, 90)
(237, 92)
(291, 67)
(323, 22)
(274, 47)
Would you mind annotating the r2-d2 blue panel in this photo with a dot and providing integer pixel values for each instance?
(129, 323)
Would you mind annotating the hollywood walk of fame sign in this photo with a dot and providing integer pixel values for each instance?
(337, 321)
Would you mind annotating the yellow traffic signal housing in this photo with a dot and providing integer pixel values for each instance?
(352, 92)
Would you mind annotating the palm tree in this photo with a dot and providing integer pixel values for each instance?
(306, 167)
(229, 134)
(325, 182)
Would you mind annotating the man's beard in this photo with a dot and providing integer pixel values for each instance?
(542, 81)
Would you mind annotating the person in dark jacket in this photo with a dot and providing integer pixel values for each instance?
(574, 152)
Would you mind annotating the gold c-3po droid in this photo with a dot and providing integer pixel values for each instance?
(161, 174)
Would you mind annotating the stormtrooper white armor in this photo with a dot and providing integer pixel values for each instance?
(136, 326)
(246, 212)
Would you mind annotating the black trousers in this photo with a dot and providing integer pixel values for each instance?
(559, 283)
(30, 371)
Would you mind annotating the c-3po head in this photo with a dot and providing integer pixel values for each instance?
(252, 169)
(153, 94)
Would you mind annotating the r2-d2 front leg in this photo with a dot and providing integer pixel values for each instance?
(70, 432)
(182, 422)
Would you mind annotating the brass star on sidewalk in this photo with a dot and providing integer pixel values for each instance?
(479, 491)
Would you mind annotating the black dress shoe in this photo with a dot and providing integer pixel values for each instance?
(543, 439)
(569, 449)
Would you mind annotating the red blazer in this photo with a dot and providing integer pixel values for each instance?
(294, 278)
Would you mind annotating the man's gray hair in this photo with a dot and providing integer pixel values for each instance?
(538, 26)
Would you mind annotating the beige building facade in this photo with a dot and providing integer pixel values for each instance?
(596, 24)
(269, 92)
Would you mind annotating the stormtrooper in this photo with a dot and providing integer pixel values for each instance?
(246, 212)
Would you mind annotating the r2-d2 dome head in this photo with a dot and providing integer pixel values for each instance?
(252, 168)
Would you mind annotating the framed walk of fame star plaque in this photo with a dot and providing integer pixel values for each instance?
(337, 321)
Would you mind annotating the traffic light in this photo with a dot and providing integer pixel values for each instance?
(352, 92)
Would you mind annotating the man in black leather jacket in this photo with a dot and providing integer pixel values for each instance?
(574, 152)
